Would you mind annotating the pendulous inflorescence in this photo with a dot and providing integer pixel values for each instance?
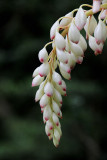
(68, 47)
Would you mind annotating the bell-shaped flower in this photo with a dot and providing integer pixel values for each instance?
(96, 6)
(37, 81)
(82, 43)
(94, 46)
(80, 19)
(55, 119)
(53, 30)
(100, 32)
(57, 78)
(65, 67)
(55, 108)
(65, 74)
(59, 41)
(44, 69)
(48, 89)
(90, 25)
(47, 113)
(66, 21)
(76, 49)
(61, 55)
(44, 101)
(36, 72)
(49, 124)
(43, 55)
(39, 94)
(57, 96)
(73, 33)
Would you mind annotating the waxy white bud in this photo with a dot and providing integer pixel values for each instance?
(42, 84)
(76, 49)
(63, 85)
(82, 43)
(57, 96)
(66, 21)
(65, 67)
(61, 56)
(43, 55)
(44, 101)
(48, 89)
(71, 60)
(47, 113)
(59, 88)
(48, 131)
(103, 14)
(49, 124)
(90, 25)
(53, 30)
(55, 119)
(36, 72)
(100, 32)
(57, 134)
(73, 33)
(94, 46)
(80, 19)
(59, 41)
(57, 78)
(37, 81)
(55, 142)
(39, 94)
(44, 69)
(56, 108)
(79, 60)
(65, 74)
(68, 49)
(96, 6)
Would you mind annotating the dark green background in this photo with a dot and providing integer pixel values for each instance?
(24, 30)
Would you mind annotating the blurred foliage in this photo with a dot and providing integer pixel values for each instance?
(24, 30)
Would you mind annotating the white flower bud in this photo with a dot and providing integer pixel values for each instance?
(43, 55)
(36, 72)
(44, 69)
(63, 85)
(55, 119)
(57, 78)
(47, 113)
(55, 142)
(59, 41)
(94, 46)
(66, 21)
(82, 43)
(48, 89)
(76, 49)
(96, 5)
(65, 74)
(39, 94)
(37, 81)
(71, 60)
(49, 124)
(103, 14)
(59, 88)
(68, 49)
(56, 108)
(80, 19)
(44, 101)
(57, 96)
(53, 30)
(57, 135)
(73, 33)
(90, 24)
(65, 67)
(61, 56)
(100, 32)
(48, 131)
(79, 60)
(42, 84)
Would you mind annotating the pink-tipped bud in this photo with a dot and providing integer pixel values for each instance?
(65, 67)
(48, 89)
(96, 6)
(61, 55)
(66, 21)
(37, 81)
(55, 119)
(65, 74)
(55, 107)
(44, 101)
(76, 49)
(57, 78)
(100, 32)
(57, 96)
(73, 33)
(39, 94)
(55, 142)
(63, 85)
(59, 41)
(48, 131)
(57, 134)
(49, 124)
(82, 43)
(80, 19)
(71, 60)
(53, 30)
(47, 113)
(44, 69)
(43, 55)
(79, 60)
(36, 72)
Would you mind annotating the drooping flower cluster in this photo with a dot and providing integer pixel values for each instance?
(68, 47)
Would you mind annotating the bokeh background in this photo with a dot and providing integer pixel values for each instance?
(24, 30)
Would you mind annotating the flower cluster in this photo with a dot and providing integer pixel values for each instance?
(68, 47)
